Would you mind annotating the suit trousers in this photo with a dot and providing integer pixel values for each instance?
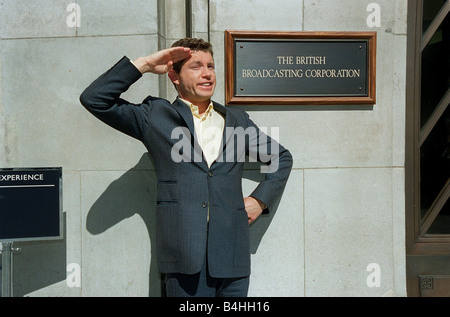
(203, 285)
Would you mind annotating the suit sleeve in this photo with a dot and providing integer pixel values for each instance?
(102, 99)
(277, 165)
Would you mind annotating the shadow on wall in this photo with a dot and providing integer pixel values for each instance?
(133, 193)
(39, 264)
(260, 226)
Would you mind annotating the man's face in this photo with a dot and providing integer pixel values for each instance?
(197, 79)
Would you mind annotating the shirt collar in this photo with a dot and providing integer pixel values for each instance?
(194, 109)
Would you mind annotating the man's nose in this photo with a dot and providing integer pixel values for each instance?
(207, 73)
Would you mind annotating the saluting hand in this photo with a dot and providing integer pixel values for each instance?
(162, 61)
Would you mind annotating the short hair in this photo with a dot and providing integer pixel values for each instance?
(195, 45)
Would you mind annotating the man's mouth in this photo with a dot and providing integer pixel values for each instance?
(206, 84)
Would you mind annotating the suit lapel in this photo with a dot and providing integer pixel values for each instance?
(230, 122)
(185, 113)
(228, 133)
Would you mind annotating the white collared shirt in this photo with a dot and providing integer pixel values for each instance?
(208, 129)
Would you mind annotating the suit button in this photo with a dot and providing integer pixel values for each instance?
(210, 174)
(204, 204)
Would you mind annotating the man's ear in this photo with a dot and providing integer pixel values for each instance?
(173, 76)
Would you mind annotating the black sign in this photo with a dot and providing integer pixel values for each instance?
(300, 67)
(30, 204)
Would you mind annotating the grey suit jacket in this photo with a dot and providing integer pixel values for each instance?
(187, 188)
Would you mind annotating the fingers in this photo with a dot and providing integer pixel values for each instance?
(253, 208)
(252, 218)
(179, 53)
(162, 61)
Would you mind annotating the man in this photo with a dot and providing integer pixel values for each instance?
(197, 147)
